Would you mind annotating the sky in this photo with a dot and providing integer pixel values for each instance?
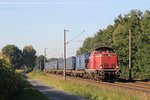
(41, 23)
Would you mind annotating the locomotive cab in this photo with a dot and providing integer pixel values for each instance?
(104, 62)
(107, 58)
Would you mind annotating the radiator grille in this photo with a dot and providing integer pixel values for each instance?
(106, 65)
(113, 65)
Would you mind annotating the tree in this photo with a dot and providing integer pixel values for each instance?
(40, 62)
(117, 36)
(29, 56)
(13, 55)
(87, 46)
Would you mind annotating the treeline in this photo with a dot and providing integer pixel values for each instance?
(12, 58)
(117, 37)
(19, 58)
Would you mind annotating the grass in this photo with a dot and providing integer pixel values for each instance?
(26, 91)
(90, 90)
(30, 94)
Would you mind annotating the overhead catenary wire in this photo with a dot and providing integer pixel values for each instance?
(75, 37)
(78, 41)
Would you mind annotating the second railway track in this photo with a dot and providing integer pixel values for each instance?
(143, 87)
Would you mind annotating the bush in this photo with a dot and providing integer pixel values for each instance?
(7, 80)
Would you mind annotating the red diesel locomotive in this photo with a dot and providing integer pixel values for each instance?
(103, 64)
(100, 64)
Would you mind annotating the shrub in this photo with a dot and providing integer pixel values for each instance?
(7, 80)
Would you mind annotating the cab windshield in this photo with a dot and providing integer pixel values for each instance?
(106, 50)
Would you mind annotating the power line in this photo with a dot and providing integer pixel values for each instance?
(76, 36)
(78, 41)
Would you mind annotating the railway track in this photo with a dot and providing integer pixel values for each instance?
(131, 86)
(138, 86)
(144, 83)
(141, 85)
(134, 86)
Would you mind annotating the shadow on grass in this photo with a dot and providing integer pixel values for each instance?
(26, 91)
(127, 80)
(30, 94)
(55, 94)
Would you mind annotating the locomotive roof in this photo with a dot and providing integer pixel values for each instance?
(102, 47)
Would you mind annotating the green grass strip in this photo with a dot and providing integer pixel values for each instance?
(27, 92)
(88, 89)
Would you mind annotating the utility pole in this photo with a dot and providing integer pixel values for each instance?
(130, 74)
(65, 53)
(40, 64)
(65, 43)
(44, 57)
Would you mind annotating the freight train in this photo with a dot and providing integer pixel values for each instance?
(100, 64)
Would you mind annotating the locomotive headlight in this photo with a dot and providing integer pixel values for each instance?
(117, 67)
(101, 66)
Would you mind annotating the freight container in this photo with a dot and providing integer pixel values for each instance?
(61, 64)
(48, 65)
(81, 61)
(77, 62)
(70, 63)
(55, 64)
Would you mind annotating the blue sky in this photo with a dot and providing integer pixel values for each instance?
(40, 23)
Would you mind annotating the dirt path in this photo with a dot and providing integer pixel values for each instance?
(52, 93)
